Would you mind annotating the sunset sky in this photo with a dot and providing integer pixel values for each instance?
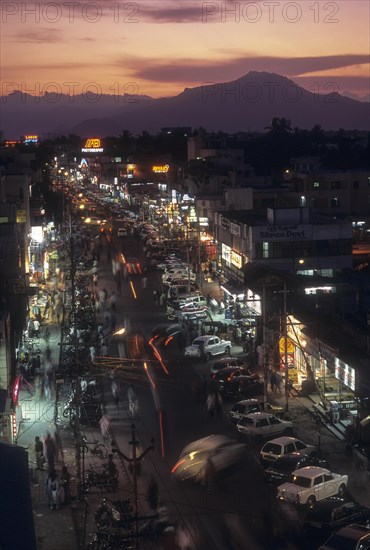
(158, 48)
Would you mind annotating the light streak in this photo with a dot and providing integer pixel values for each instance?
(157, 354)
(133, 290)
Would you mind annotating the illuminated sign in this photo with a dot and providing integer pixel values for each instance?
(15, 390)
(21, 216)
(225, 253)
(31, 139)
(345, 374)
(236, 259)
(161, 169)
(92, 145)
(290, 345)
(11, 143)
(203, 222)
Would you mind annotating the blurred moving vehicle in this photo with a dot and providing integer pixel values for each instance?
(222, 450)
(352, 537)
(281, 446)
(332, 514)
(280, 471)
(310, 484)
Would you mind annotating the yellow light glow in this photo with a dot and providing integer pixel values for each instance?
(88, 220)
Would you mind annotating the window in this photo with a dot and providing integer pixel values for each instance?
(316, 184)
(299, 445)
(274, 420)
(265, 250)
(289, 448)
(262, 423)
(328, 477)
(317, 480)
(335, 202)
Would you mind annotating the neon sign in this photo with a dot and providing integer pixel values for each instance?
(31, 139)
(161, 169)
(92, 145)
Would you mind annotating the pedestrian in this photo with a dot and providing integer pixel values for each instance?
(113, 300)
(92, 353)
(46, 384)
(95, 279)
(155, 296)
(36, 328)
(145, 281)
(58, 448)
(278, 382)
(210, 404)
(272, 382)
(52, 487)
(39, 452)
(238, 335)
(65, 482)
(104, 424)
(132, 401)
(116, 390)
(50, 451)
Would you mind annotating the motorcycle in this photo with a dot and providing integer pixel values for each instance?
(103, 480)
(114, 514)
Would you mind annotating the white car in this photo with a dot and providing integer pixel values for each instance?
(312, 483)
(261, 424)
(222, 450)
(284, 445)
(208, 346)
(198, 300)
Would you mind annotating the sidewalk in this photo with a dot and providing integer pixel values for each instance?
(38, 419)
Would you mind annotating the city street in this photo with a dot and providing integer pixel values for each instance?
(242, 510)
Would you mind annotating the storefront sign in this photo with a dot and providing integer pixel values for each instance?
(225, 253)
(21, 216)
(161, 169)
(345, 374)
(289, 345)
(235, 229)
(92, 145)
(282, 233)
(203, 222)
(31, 139)
(225, 223)
(236, 259)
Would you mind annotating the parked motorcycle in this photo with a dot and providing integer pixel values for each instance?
(114, 514)
(102, 480)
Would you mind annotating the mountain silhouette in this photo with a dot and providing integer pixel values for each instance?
(246, 104)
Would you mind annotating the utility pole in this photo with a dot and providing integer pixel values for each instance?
(135, 461)
(264, 350)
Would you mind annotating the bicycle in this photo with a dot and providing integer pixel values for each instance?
(95, 448)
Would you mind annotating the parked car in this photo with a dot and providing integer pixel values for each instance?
(351, 537)
(282, 468)
(208, 346)
(247, 406)
(236, 382)
(198, 300)
(223, 451)
(226, 362)
(281, 446)
(311, 484)
(332, 514)
(260, 425)
(225, 378)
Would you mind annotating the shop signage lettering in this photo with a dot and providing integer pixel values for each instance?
(345, 374)
(235, 229)
(92, 145)
(161, 169)
(282, 233)
(225, 223)
(236, 259)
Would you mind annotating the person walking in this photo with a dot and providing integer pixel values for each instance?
(65, 483)
(39, 452)
(52, 488)
(104, 424)
(50, 452)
